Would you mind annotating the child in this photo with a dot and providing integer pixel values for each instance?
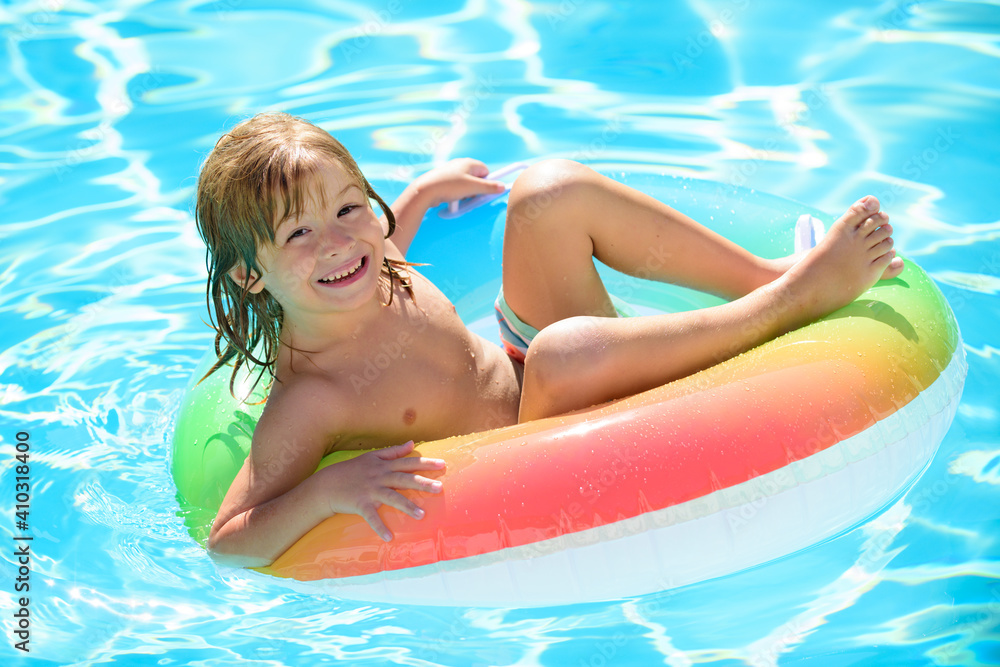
(307, 282)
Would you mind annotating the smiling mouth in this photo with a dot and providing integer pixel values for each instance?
(345, 275)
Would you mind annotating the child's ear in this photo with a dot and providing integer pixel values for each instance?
(239, 274)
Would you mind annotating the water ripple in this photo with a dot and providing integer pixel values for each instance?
(108, 110)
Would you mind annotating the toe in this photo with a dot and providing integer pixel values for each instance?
(877, 235)
(870, 225)
(895, 268)
(861, 210)
(883, 246)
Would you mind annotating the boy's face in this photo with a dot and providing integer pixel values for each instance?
(329, 257)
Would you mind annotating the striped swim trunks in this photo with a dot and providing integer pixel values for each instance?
(517, 336)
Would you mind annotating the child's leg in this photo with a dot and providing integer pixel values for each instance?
(562, 214)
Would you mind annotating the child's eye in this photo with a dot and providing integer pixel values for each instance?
(297, 232)
(347, 209)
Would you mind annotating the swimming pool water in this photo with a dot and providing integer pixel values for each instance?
(108, 108)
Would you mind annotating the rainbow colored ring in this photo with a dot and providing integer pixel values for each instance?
(758, 457)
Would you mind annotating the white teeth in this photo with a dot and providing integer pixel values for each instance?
(343, 274)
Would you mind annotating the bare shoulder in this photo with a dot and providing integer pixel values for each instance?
(393, 252)
(302, 416)
(288, 443)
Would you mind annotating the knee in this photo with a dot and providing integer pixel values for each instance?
(543, 184)
(563, 363)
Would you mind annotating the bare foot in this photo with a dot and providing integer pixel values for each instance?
(855, 253)
(782, 264)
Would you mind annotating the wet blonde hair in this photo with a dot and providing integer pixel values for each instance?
(259, 169)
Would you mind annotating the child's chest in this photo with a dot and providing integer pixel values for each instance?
(423, 376)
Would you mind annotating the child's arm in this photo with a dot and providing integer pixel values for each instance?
(277, 497)
(457, 179)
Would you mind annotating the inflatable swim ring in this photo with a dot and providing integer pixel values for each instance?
(762, 455)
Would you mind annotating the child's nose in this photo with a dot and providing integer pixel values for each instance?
(335, 240)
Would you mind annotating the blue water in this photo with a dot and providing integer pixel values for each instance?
(107, 110)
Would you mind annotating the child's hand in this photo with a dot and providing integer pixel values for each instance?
(457, 179)
(362, 484)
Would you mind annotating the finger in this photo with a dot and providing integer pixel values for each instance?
(404, 480)
(415, 463)
(476, 167)
(427, 485)
(402, 503)
(481, 186)
(371, 517)
(395, 452)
